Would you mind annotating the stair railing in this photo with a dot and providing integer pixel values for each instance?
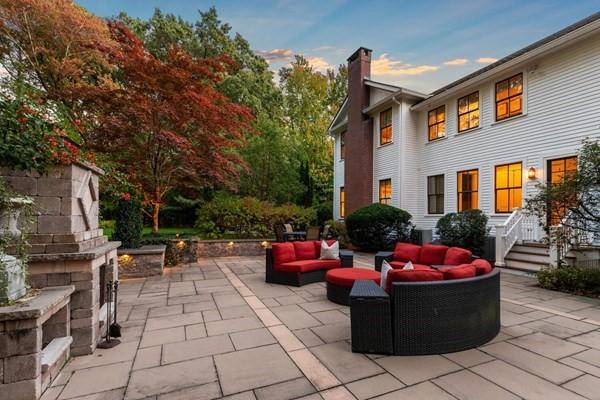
(566, 236)
(518, 227)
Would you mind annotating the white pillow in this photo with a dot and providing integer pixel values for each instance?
(408, 265)
(385, 268)
(330, 252)
(288, 228)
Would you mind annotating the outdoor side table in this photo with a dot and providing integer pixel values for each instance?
(370, 318)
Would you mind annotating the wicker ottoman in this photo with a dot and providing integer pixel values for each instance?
(341, 280)
(371, 319)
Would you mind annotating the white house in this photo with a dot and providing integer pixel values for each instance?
(483, 141)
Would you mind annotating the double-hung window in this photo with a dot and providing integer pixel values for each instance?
(468, 112)
(342, 202)
(385, 127)
(385, 191)
(437, 123)
(508, 182)
(342, 145)
(435, 194)
(468, 189)
(509, 97)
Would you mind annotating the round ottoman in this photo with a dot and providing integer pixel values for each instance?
(341, 280)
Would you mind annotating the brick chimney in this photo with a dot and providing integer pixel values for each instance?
(358, 167)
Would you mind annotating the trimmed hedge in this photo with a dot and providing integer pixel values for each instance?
(379, 227)
(466, 229)
(129, 223)
(576, 280)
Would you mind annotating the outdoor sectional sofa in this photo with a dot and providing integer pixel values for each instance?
(297, 263)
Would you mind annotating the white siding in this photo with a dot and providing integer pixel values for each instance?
(376, 94)
(338, 176)
(386, 158)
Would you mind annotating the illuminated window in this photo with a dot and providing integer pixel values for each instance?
(437, 123)
(468, 188)
(509, 97)
(385, 191)
(468, 112)
(435, 194)
(342, 202)
(509, 181)
(558, 171)
(385, 127)
(342, 145)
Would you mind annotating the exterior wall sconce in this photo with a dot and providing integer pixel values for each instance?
(531, 173)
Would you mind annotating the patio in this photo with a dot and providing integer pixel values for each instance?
(214, 329)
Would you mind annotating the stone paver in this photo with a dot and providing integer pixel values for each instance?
(215, 330)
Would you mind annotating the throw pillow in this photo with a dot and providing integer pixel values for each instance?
(288, 228)
(385, 268)
(330, 252)
(408, 265)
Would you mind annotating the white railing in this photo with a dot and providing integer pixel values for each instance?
(566, 236)
(517, 228)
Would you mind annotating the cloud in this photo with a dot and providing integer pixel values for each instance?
(387, 67)
(319, 63)
(276, 55)
(457, 61)
(486, 60)
(324, 48)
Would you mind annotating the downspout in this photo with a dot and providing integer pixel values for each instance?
(399, 103)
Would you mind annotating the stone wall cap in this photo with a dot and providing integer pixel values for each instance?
(90, 166)
(227, 240)
(91, 254)
(147, 249)
(37, 306)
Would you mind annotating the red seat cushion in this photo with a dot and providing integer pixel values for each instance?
(346, 276)
(415, 275)
(457, 256)
(482, 266)
(400, 265)
(432, 254)
(308, 265)
(406, 252)
(317, 244)
(283, 253)
(461, 272)
(305, 251)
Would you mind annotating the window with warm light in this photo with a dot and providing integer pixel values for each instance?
(509, 183)
(385, 191)
(468, 189)
(342, 145)
(509, 97)
(385, 127)
(468, 112)
(435, 194)
(342, 202)
(558, 171)
(437, 123)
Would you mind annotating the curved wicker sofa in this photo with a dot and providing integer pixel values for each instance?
(444, 316)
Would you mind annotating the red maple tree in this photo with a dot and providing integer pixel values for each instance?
(165, 124)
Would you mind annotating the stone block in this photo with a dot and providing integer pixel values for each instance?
(23, 185)
(37, 249)
(81, 313)
(82, 299)
(63, 248)
(78, 224)
(55, 331)
(38, 281)
(69, 206)
(83, 285)
(81, 276)
(59, 279)
(54, 224)
(40, 239)
(20, 324)
(2, 326)
(82, 322)
(22, 390)
(20, 342)
(20, 368)
(54, 187)
(69, 238)
(48, 205)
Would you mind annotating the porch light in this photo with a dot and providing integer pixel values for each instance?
(531, 173)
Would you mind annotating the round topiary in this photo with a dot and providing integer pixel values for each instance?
(129, 223)
(466, 229)
(378, 227)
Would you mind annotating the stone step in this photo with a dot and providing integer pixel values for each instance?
(54, 351)
(531, 248)
(524, 266)
(528, 257)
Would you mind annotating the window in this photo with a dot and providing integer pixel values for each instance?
(509, 179)
(385, 191)
(342, 145)
(467, 189)
(509, 97)
(342, 202)
(437, 123)
(558, 172)
(468, 112)
(435, 194)
(385, 127)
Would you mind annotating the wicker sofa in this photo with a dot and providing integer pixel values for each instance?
(425, 255)
(298, 263)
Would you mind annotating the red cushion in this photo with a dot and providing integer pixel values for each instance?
(318, 245)
(457, 256)
(482, 267)
(415, 275)
(400, 265)
(407, 252)
(283, 253)
(305, 251)
(308, 265)
(433, 254)
(460, 272)
(346, 276)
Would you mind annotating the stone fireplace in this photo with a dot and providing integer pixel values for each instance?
(67, 246)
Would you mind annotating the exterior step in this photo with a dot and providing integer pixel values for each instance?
(532, 248)
(528, 257)
(524, 265)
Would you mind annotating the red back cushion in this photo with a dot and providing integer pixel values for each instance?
(457, 256)
(283, 253)
(305, 251)
(482, 267)
(460, 272)
(318, 245)
(415, 275)
(433, 254)
(406, 252)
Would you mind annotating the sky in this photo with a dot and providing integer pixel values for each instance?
(417, 44)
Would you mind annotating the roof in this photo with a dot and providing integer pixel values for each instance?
(401, 92)
(381, 85)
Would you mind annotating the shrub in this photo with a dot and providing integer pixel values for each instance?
(379, 227)
(571, 279)
(338, 231)
(128, 223)
(466, 229)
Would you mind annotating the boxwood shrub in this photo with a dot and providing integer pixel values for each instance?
(128, 223)
(578, 280)
(466, 229)
(379, 227)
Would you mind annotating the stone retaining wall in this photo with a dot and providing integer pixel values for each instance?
(225, 248)
(145, 261)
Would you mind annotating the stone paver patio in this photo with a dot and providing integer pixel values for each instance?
(214, 329)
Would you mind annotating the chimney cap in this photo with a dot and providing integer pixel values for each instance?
(356, 54)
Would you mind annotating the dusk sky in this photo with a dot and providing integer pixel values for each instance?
(420, 45)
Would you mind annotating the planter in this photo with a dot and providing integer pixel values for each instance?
(9, 219)
(12, 279)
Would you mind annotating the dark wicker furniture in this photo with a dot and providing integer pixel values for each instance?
(370, 319)
(338, 290)
(313, 233)
(298, 278)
